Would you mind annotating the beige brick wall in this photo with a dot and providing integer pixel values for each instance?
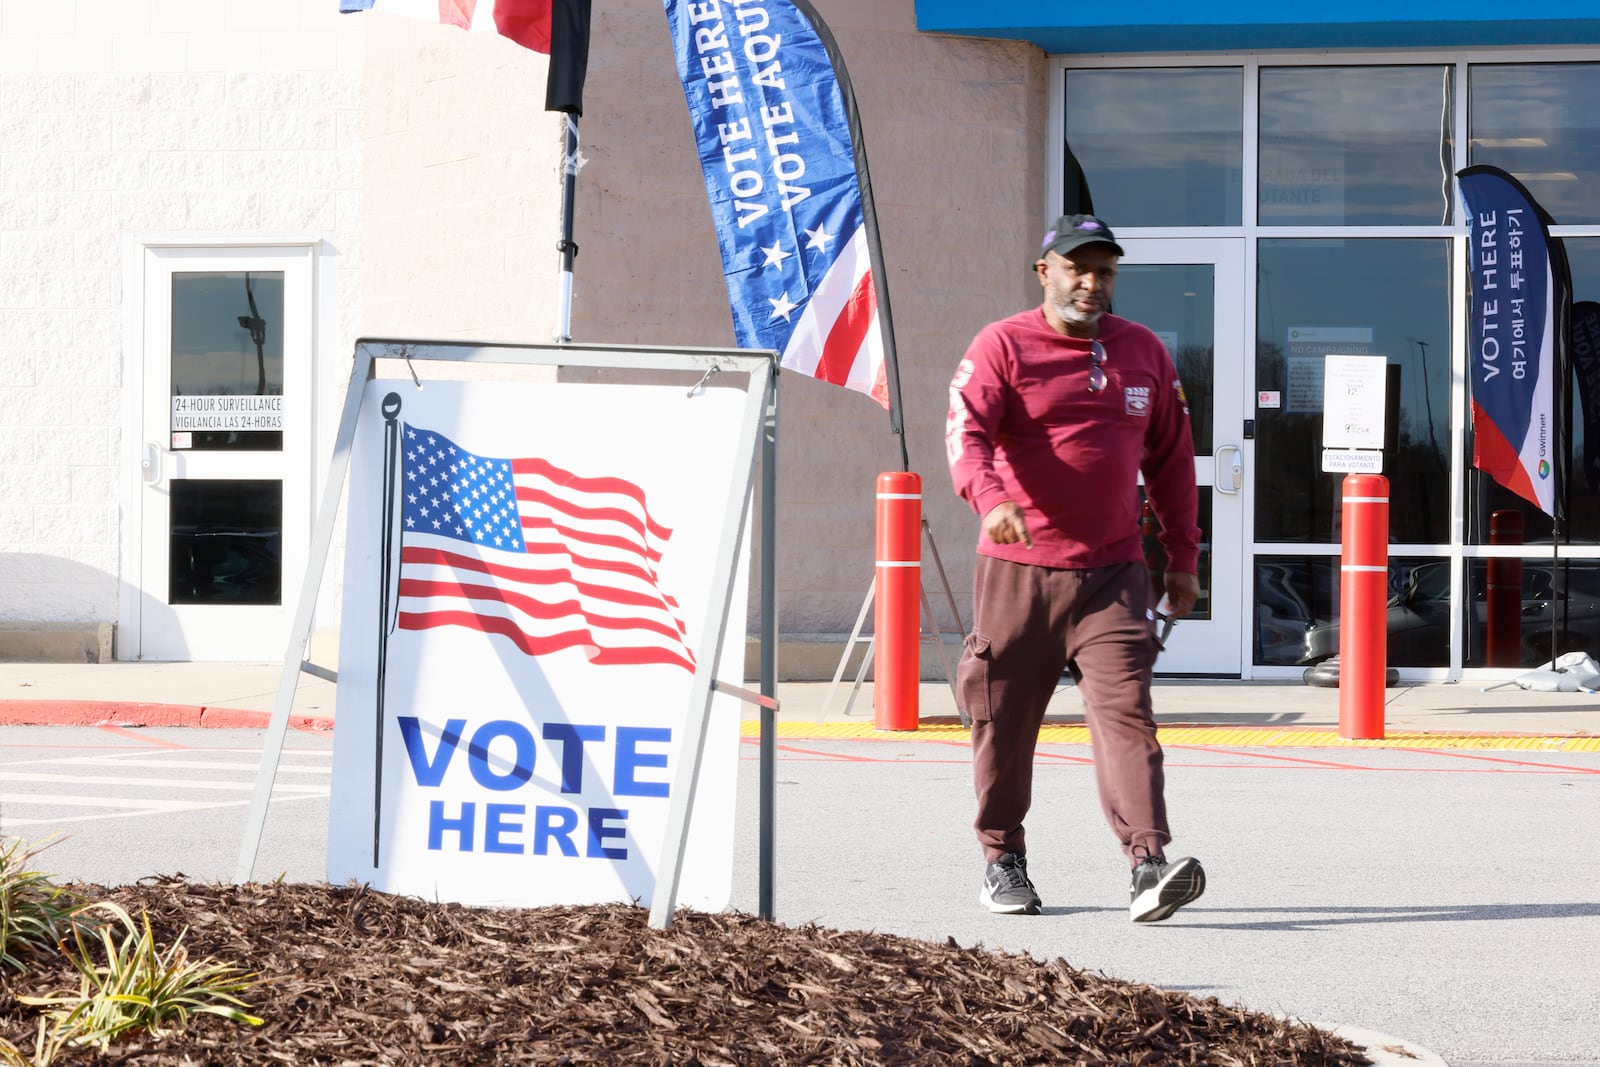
(117, 118)
(462, 186)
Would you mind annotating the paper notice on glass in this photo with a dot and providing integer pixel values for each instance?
(1352, 401)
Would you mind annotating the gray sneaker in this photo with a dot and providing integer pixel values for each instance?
(1161, 888)
(1006, 889)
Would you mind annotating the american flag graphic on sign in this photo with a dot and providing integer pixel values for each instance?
(541, 556)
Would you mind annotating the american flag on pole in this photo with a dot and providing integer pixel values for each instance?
(558, 28)
(541, 556)
(785, 171)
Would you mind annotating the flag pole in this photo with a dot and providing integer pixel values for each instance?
(891, 361)
(1561, 356)
(869, 216)
(391, 448)
(566, 246)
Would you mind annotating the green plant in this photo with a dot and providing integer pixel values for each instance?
(139, 988)
(45, 1048)
(35, 914)
(10, 1056)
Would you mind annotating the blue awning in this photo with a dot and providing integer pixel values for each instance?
(1252, 25)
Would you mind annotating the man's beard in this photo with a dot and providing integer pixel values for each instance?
(1068, 311)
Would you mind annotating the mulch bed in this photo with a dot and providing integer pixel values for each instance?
(351, 976)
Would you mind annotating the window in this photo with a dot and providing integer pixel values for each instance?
(227, 343)
(1370, 296)
(1539, 122)
(1355, 146)
(1297, 611)
(1158, 147)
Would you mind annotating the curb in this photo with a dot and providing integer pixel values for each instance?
(126, 714)
(1190, 733)
(1386, 1051)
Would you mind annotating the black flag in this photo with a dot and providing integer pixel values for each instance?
(1586, 368)
(569, 55)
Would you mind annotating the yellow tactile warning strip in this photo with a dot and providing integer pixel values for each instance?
(1226, 736)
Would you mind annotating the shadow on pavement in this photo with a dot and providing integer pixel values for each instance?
(1311, 917)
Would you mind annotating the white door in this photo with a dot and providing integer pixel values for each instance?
(225, 445)
(1188, 291)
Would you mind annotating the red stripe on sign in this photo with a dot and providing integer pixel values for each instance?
(537, 576)
(571, 484)
(580, 639)
(422, 589)
(848, 333)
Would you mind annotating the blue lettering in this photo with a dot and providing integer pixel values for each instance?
(599, 831)
(430, 772)
(438, 825)
(496, 822)
(550, 823)
(624, 780)
(572, 737)
(478, 755)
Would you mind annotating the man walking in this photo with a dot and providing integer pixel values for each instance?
(1054, 413)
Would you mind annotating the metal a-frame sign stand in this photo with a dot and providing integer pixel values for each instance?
(761, 419)
(927, 613)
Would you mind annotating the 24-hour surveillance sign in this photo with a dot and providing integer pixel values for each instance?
(227, 412)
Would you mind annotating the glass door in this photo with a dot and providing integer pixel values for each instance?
(1188, 291)
(225, 446)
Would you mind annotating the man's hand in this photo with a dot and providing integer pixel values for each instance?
(1004, 526)
(1183, 590)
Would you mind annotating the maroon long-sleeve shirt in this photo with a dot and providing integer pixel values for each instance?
(1025, 427)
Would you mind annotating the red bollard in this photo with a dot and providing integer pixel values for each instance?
(1363, 602)
(1503, 630)
(897, 602)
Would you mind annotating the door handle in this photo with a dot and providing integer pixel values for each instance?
(150, 466)
(1229, 479)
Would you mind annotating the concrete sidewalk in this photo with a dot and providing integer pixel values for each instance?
(158, 694)
(244, 695)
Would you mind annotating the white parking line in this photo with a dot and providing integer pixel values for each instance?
(122, 807)
(146, 759)
(152, 782)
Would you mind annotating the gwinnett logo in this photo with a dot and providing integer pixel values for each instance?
(1544, 468)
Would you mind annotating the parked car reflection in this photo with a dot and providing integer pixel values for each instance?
(1418, 617)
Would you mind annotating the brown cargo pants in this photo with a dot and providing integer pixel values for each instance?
(1030, 623)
